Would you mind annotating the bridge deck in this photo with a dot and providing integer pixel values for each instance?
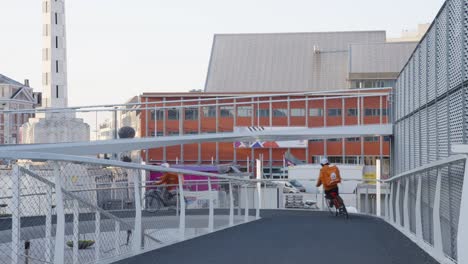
(295, 237)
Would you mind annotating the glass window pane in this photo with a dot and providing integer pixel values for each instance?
(316, 112)
(173, 114)
(226, 111)
(352, 112)
(263, 112)
(209, 111)
(244, 111)
(280, 112)
(334, 112)
(191, 114)
(297, 112)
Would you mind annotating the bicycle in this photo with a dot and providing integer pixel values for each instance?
(337, 203)
(155, 200)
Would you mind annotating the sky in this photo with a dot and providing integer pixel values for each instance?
(118, 49)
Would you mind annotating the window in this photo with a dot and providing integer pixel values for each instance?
(352, 112)
(371, 139)
(173, 133)
(297, 112)
(191, 114)
(56, 42)
(160, 134)
(226, 111)
(244, 111)
(173, 114)
(387, 138)
(316, 140)
(56, 66)
(191, 132)
(280, 112)
(355, 139)
(316, 112)
(56, 19)
(334, 112)
(209, 111)
(335, 160)
(372, 112)
(159, 114)
(263, 112)
(56, 91)
(351, 160)
(334, 140)
(384, 111)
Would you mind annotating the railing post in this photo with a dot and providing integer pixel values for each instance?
(15, 216)
(182, 208)
(211, 210)
(387, 202)
(462, 240)
(117, 238)
(406, 222)
(392, 218)
(48, 225)
(76, 231)
(59, 254)
(137, 234)
(259, 186)
(436, 218)
(97, 237)
(378, 190)
(231, 205)
(246, 208)
(397, 204)
(418, 223)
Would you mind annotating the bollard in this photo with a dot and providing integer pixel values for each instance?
(27, 246)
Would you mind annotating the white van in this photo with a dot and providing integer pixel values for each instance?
(286, 186)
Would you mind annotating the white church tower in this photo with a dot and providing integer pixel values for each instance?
(58, 126)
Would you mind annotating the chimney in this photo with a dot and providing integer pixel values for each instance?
(26, 82)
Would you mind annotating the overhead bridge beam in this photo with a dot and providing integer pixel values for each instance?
(121, 145)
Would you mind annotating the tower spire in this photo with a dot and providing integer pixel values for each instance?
(55, 90)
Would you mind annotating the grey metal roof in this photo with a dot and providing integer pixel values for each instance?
(380, 57)
(7, 80)
(283, 61)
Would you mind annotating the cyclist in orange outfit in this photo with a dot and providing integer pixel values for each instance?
(169, 178)
(329, 177)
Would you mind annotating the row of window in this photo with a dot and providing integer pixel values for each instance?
(354, 139)
(246, 111)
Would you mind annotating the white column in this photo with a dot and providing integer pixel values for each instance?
(436, 218)
(182, 208)
(211, 210)
(246, 200)
(231, 205)
(15, 217)
(48, 227)
(259, 187)
(137, 234)
(418, 223)
(397, 204)
(76, 231)
(462, 241)
(392, 186)
(60, 211)
(117, 238)
(97, 237)
(406, 222)
(378, 190)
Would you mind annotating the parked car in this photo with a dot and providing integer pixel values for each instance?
(287, 187)
(297, 185)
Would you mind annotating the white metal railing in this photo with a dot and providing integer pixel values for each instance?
(430, 205)
(55, 206)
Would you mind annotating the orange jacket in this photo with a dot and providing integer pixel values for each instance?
(329, 177)
(169, 179)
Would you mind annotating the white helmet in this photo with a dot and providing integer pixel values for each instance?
(324, 161)
(165, 165)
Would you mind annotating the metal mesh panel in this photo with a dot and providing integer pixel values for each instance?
(426, 208)
(424, 73)
(445, 209)
(412, 191)
(423, 133)
(465, 41)
(441, 53)
(431, 67)
(442, 128)
(416, 140)
(456, 117)
(416, 80)
(456, 181)
(432, 129)
(407, 146)
(455, 43)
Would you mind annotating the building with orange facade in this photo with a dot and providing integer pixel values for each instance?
(166, 114)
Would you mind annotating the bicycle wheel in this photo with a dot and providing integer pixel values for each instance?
(342, 211)
(330, 209)
(153, 203)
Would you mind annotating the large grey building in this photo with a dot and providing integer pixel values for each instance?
(304, 61)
